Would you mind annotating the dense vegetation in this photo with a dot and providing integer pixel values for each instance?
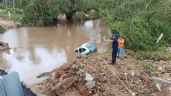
(1, 29)
(140, 22)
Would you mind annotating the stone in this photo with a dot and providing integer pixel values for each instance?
(161, 80)
(167, 76)
(168, 68)
(90, 84)
(101, 89)
(4, 46)
(80, 72)
(169, 62)
(166, 91)
(159, 68)
(74, 62)
(88, 77)
(158, 86)
(169, 49)
(132, 73)
(73, 93)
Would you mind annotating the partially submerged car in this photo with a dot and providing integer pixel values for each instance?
(86, 48)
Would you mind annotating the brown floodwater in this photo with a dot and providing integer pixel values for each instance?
(35, 50)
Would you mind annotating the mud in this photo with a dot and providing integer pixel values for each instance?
(7, 24)
(126, 78)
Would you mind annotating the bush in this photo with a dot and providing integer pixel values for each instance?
(40, 13)
(141, 22)
(2, 30)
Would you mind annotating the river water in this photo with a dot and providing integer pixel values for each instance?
(35, 50)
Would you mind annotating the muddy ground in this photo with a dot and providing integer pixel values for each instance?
(7, 24)
(95, 76)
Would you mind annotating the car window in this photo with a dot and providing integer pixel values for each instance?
(82, 50)
(90, 45)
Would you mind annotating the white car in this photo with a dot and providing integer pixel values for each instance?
(86, 48)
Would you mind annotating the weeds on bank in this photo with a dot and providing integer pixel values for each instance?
(15, 14)
(153, 55)
(149, 67)
(2, 30)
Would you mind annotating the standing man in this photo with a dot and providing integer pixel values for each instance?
(120, 48)
(114, 46)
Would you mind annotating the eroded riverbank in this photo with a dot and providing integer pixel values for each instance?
(129, 77)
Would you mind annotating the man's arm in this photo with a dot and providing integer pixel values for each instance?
(107, 40)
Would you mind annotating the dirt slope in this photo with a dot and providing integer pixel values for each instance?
(94, 76)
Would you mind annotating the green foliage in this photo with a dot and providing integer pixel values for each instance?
(15, 13)
(40, 12)
(141, 22)
(150, 68)
(153, 55)
(45, 12)
(2, 30)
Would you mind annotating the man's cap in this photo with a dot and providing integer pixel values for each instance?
(115, 35)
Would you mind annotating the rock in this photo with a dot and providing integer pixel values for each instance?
(73, 93)
(62, 17)
(101, 89)
(170, 62)
(132, 73)
(157, 86)
(90, 84)
(74, 62)
(168, 68)
(159, 68)
(3, 46)
(81, 88)
(144, 78)
(167, 76)
(88, 77)
(161, 80)
(167, 91)
(64, 84)
(96, 94)
(2, 72)
(80, 72)
(169, 49)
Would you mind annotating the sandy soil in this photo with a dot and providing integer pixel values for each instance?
(7, 24)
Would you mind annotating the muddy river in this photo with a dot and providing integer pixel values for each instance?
(35, 50)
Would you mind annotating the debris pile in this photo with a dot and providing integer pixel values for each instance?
(4, 46)
(93, 76)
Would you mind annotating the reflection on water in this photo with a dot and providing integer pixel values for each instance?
(35, 50)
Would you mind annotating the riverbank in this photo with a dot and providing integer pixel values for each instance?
(94, 76)
(7, 24)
